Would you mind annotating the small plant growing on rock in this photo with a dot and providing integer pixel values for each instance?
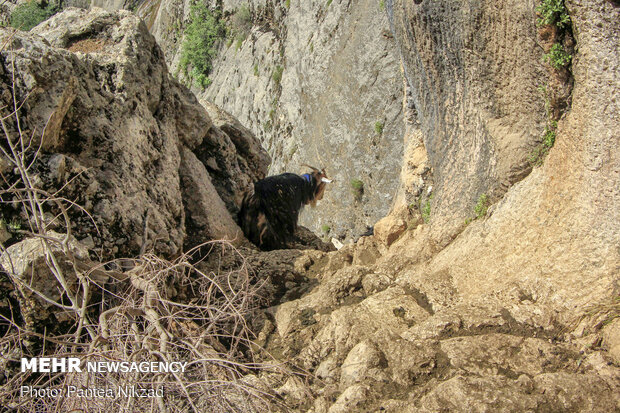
(379, 127)
(357, 189)
(548, 140)
(326, 229)
(426, 211)
(557, 57)
(241, 24)
(287, 4)
(549, 134)
(240, 40)
(256, 70)
(481, 206)
(242, 20)
(277, 75)
(553, 12)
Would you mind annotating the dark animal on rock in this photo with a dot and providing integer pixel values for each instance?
(269, 211)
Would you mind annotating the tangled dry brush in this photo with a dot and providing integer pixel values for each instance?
(141, 309)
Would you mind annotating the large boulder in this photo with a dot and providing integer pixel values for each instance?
(116, 124)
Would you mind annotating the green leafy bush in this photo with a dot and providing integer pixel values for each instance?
(199, 48)
(553, 12)
(557, 56)
(325, 228)
(27, 15)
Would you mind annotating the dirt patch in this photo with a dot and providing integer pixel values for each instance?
(87, 46)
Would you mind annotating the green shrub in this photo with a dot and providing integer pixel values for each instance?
(553, 12)
(241, 24)
(27, 15)
(357, 189)
(328, 3)
(379, 127)
(382, 5)
(549, 134)
(557, 57)
(277, 74)
(199, 48)
(426, 211)
(287, 3)
(481, 206)
(325, 228)
(537, 155)
(256, 70)
(292, 151)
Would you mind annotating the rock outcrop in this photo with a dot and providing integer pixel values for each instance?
(516, 310)
(132, 145)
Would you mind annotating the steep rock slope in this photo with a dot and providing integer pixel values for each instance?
(475, 71)
(317, 83)
(337, 105)
(133, 153)
(520, 310)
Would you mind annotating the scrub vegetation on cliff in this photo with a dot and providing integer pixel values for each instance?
(28, 14)
(202, 34)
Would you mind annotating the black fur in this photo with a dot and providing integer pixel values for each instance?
(269, 213)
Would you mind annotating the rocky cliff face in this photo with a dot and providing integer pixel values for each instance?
(318, 83)
(519, 311)
(133, 153)
(475, 71)
(338, 104)
(516, 310)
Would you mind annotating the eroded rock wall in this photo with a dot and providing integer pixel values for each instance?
(519, 311)
(475, 70)
(340, 76)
